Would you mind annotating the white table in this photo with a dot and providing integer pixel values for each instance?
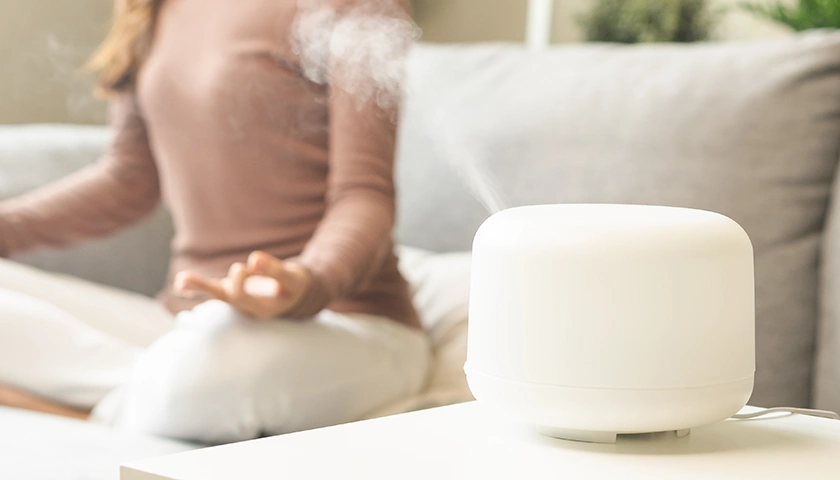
(467, 442)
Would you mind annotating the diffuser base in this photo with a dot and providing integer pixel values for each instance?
(588, 409)
(592, 436)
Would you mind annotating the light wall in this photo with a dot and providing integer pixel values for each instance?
(44, 42)
(504, 20)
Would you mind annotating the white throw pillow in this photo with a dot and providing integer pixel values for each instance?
(440, 284)
(440, 287)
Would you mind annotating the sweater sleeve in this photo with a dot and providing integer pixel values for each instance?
(354, 237)
(121, 188)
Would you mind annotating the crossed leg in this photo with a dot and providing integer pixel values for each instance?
(65, 343)
(16, 398)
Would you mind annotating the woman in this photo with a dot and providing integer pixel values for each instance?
(274, 154)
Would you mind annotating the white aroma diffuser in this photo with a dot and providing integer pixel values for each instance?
(594, 320)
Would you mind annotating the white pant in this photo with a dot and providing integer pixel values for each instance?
(210, 374)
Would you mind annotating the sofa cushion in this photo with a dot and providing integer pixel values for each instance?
(750, 130)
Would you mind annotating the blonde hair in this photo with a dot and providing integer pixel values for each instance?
(119, 58)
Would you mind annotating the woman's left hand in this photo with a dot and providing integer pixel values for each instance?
(264, 287)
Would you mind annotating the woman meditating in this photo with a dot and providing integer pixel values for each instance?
(260, 126)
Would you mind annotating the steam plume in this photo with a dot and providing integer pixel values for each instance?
(65, 62)
(360, 48)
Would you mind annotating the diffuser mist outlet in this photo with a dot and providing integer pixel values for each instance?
(590, 321)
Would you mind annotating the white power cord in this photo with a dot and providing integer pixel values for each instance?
(790, 410)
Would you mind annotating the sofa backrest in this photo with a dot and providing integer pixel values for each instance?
(750, 130)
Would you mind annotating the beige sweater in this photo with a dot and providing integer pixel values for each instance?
(248, 154)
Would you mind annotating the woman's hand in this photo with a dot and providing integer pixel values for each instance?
(264, 287)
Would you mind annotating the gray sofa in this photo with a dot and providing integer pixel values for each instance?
(748, 130)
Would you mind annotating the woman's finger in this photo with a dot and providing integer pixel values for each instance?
(235, 282)
(262, 286)
(262, 263)
(188, 281)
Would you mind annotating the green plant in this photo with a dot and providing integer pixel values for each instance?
(806, 15)
(643, 21)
